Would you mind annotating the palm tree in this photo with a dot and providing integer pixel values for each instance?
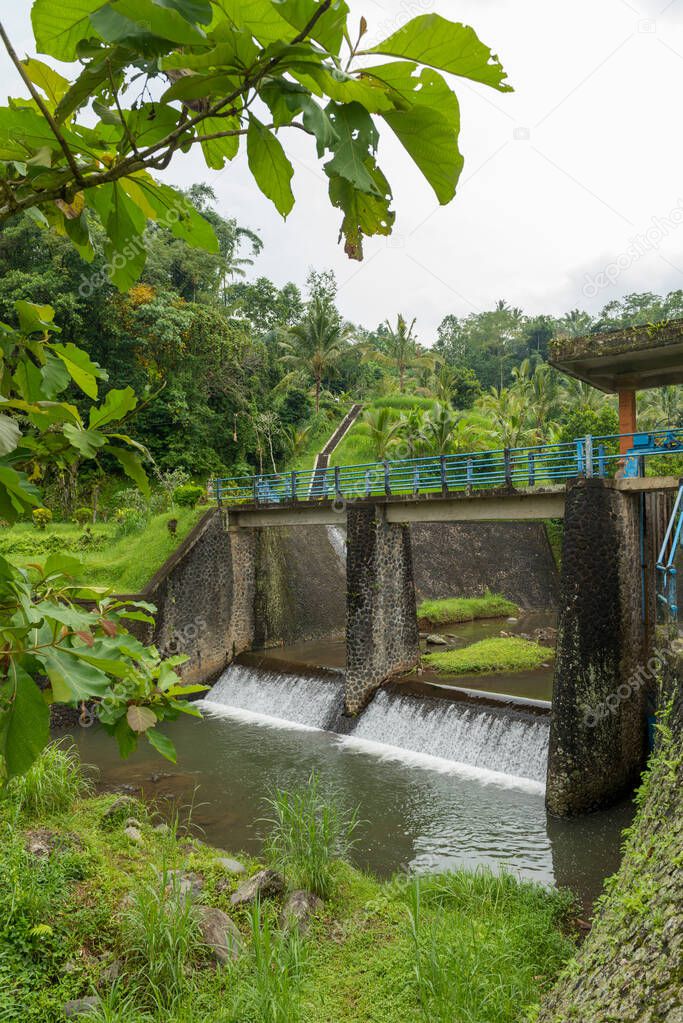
(661, 408)
(313, 346)
(538, 385)
(507, 414)
(402, 350)
(383, 430)
(575, 323)
(578, 395)
(439, 427)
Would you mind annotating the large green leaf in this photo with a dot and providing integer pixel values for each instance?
(427, 122)
(260, 17)
(52, 84)
(174, 211)
(86, 441)
(33, 318)
(10, 434)
(218, 151)
(82, 370)
(328, 30)
(355, 148)
(24, 721)
(268, 163)
(131, 464)
(59, 25)
(364, 214)
(72, 678)
(16, 493)
(133, 21)
(55, 376)
(162, 744)
(118, 403)
(124, 222)
(447, 46)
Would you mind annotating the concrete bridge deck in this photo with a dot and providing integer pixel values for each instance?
(501, 504)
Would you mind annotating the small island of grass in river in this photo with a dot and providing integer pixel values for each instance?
(465, 609)
(491, 655)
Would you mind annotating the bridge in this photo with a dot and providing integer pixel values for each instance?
(510, 483)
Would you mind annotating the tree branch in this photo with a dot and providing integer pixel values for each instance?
(54, 127)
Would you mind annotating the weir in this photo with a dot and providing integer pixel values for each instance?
(507, 745)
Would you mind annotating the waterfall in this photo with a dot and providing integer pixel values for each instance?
(489, 740)
(258, 694)
(337, 538)
(499, 745)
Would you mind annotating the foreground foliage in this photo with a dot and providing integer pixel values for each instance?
(377, 952)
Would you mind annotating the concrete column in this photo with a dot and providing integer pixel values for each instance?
(627, 418)
(381, 619)
(598, 723)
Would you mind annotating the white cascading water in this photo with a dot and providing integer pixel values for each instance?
(297, 699)
(490, 740)
(337, 537)
(492, 744)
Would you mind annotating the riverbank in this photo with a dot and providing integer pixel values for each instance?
(101, 900)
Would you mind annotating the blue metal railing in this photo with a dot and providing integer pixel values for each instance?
(538, 465)
(667, 590)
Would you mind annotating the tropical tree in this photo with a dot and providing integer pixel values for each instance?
(383, 429)
(507, 414)
(312, 347)
(399, 349)
(661, 408)
(577, 394)
(575, 323)
(538, 386)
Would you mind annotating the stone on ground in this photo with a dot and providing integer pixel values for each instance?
(133, 833)
(219, 933)
(298, 910)
(267, 884)
(231, 866)
(80, 1006)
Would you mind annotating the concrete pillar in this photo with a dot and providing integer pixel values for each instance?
(381, 618)
(627, 418)
(598, 723)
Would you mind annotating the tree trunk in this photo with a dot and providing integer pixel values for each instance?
(630, 967)
(317, 394)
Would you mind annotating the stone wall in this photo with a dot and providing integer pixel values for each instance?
(204, 596)
(464, 559)
(630, 966)
(381, 619)
(594, 758)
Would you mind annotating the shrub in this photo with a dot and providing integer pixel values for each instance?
(41, 517)
(51, 784)
(187, 495)
(163, 940)
(82, 515)
(307, 834)
(129, 520)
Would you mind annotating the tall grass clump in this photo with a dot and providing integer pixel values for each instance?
(271, 989)
(163, 942)
(307, 833)
(52, 784)
(484, 945)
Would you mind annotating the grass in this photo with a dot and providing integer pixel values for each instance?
(466, 609)
(125, 563)
(378, 952)
(52, 783)
(489, 656)
(307, 835)
(357, 447)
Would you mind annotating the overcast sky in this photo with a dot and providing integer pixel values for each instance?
(560, 176)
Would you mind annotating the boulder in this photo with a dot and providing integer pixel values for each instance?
(119, 810)
(219, 933)
(187, 882)
(162, 829)
(132, 822)
(80, 1006)
(267, 884)
(40, 842)
(110, 973)
(435, 640)
(298, 910)
(546, 636)
(231, 866)
(133, 833)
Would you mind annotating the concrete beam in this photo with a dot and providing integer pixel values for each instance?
(289, 515)
(530, 505)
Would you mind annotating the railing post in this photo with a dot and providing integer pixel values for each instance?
(589, 455)
(416, 482)
(444, 480)
(387, 484)
(368, 484)
(337, 483)
(602, 464)
(294, 494)
(470, 472)
(508, 467)
(532, 469)
(579, 457)
(256, 489)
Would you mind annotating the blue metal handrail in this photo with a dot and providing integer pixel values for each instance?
(667, 591)
(537, 465)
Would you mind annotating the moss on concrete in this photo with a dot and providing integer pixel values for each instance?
(491, 655)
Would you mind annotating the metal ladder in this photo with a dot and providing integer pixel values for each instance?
(667, 590)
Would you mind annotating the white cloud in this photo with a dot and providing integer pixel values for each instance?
(595, 91)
